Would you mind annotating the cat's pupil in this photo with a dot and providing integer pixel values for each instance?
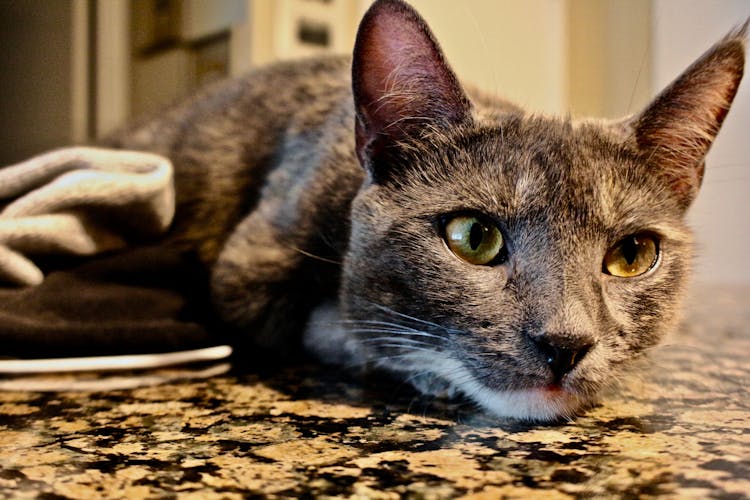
(630, 250)
(476, 235)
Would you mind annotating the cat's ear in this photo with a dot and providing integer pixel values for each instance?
(401, 82)
(676, 130)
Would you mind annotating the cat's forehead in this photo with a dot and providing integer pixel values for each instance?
(527, 166)
(558, 166)
(554, 150)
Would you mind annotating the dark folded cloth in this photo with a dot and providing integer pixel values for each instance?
(142, 300)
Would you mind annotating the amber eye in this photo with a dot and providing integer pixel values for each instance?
(473, 240)
(632, 256)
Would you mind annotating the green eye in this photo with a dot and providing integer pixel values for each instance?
(632, 256)
(472, 240)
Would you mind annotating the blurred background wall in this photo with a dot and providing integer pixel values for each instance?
(35, 77)
(74, 70)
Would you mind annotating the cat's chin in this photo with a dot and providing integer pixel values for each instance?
(540, 405)
(443, 377)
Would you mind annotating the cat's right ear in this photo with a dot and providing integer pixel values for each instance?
(402, 84)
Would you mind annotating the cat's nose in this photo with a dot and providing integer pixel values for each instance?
(562, 355)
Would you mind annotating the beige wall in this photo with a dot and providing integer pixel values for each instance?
(34, 77)
(515, 49)
(609, 43)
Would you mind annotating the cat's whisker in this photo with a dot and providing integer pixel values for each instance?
(412, 318)
(346, 322)
(415, 360)
(638, 76)
(487, 354)
(380, 325)
(316, 257)
(412, 350)
(408, 342)
(396, 332)
(410, 347)
(396, 357)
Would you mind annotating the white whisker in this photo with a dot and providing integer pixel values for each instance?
(395, 340)
(414, 348)
(396, 332)
(374, 323)
(412, 318)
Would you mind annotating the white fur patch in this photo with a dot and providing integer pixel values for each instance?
(327, 339)
(527, 188)
(531, 404)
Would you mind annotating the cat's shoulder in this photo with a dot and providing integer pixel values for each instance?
(323, 71)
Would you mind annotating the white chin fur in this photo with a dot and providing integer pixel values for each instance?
(529, 404)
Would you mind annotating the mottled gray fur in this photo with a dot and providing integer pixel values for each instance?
(293, 206)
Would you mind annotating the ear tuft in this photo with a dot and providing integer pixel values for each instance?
(401, 82)
(677, 129)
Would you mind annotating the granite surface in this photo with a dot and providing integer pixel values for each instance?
(677, 427)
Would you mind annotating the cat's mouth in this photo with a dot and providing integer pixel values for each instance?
(568, 386)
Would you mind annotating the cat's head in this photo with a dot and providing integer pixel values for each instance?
(522, 259)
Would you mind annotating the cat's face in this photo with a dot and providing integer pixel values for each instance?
(521, 260)
(561, 199)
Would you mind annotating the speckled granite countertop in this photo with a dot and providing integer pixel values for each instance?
(680, 428)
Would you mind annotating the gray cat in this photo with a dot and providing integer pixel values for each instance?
(395, 220)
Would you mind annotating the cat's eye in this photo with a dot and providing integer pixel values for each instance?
(473, 240)
(632, 256)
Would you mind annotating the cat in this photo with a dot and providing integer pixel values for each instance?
(384, 216)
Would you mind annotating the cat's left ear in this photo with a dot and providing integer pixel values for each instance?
(402, 84)
(676, 130)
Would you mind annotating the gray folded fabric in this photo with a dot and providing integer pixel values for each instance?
(79, 201)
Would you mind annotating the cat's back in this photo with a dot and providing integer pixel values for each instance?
(225, 140)
(265, 99)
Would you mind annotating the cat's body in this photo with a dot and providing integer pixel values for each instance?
(293, 207)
